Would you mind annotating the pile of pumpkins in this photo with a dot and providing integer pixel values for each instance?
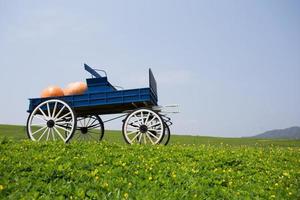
(75, 88)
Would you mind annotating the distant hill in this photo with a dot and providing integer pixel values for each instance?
(288, 133)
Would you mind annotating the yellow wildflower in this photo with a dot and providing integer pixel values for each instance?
(105, 184)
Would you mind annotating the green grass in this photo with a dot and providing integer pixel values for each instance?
(189, 168)
(19, 132)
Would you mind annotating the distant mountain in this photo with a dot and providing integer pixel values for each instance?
(288, 133)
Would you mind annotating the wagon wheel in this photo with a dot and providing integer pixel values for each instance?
(89, 128)
(51, 120)
(167, 135)
(143, 126)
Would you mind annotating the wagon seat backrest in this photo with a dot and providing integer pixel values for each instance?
(98, 83)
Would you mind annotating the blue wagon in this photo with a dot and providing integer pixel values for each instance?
(78, 117)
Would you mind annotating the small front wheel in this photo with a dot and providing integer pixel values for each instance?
(143, 126)
(51, 120)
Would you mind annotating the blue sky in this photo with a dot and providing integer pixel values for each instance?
(233, 66)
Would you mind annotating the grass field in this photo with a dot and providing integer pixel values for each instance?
(189, 168)
(19, 133)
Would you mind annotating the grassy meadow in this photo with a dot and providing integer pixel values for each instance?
(190, 167)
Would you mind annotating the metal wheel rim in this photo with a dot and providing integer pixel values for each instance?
(61, 114)
(133, 123)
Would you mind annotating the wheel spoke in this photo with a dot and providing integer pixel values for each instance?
(59, 133)
(154, 117)
(149, 138)
(48, 109)
(41, 118)
(135, 123)
(94, 126)
(88, 136)
(48, 134)
(132, 125)
(64, 122)
(54, 109)
(140, 138)
(79, 120)
(53, 135)
(63, 128)
(151, 126)
(39, 130)
(137, 120)
(69, 113)
(45, 116)
(88, 122)
(152, 135)
(93, 122)
(145, 141)
(133, 132)
(146, 121)
(92, 137)
(79, 135)
(96, 136)
(142, 117)
(150, 129)
(43, 124)
(42, 134)
(59, 112)
(135, 136)
(94, 131)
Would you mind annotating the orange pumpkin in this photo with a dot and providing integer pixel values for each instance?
(52, 91)
(75, 88)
